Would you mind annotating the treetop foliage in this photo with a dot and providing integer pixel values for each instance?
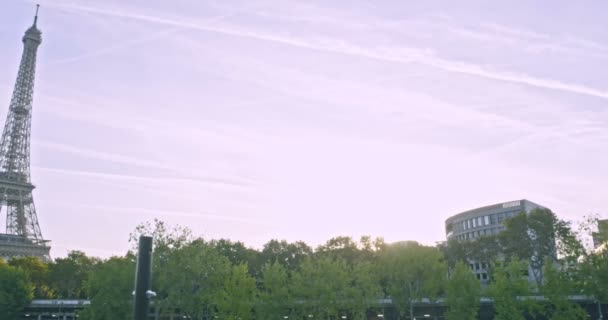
(227, 279)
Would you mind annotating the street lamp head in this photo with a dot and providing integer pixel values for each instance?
(150, 294)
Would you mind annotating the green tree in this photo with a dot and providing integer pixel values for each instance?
(539, 238)
(238, 254)
(594, 263)
(323, 285)
(275, 297)
(463, 292)
(484, 249)
(237, 297)
(411, 272)
(374, 246)
(109, 287)
(290, 255)
(192, 280)
(166, 239)
(557, 287)
(344, 247)
(37, 273)
(508, 285)
(366, 289)
(16, 292)
(67, 276)
(594, 275)
(455, 251)
(351, 251)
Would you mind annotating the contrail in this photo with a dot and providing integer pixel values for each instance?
(128, 44)
(114, 48)
(143, 179)
(200, 215)
(392, 55)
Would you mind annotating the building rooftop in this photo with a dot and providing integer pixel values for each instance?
(494, 207)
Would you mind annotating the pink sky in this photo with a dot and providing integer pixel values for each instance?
(254, 120)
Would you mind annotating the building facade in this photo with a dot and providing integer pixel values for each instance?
(484, 221)
(488, 220)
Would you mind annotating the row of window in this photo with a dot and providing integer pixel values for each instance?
(478, 266)
(479, 233)
(482, 276)
(481, 221)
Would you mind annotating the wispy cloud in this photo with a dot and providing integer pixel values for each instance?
(104, 156)
(541, 43)
(108, 49)
(210, 181)
(393, 54)
(196, 175)
(112, 210)
(298, 113)
(373, 99)
(111, 48)
(520, 78)
(574, 43)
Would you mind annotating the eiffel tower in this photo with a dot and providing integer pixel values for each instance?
(23, 236)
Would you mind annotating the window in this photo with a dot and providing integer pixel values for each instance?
(474, 223)
(484, 276)
(500, 217)
(477, 266)
(493, 219)
(487, 219)
(478, 276)
(480, 221)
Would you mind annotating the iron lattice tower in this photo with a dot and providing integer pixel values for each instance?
(16, 198)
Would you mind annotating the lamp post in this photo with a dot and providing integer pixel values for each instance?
(143, 279)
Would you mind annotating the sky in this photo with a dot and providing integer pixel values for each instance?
(305, 120)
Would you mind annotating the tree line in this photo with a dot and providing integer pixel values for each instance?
(223, 279)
